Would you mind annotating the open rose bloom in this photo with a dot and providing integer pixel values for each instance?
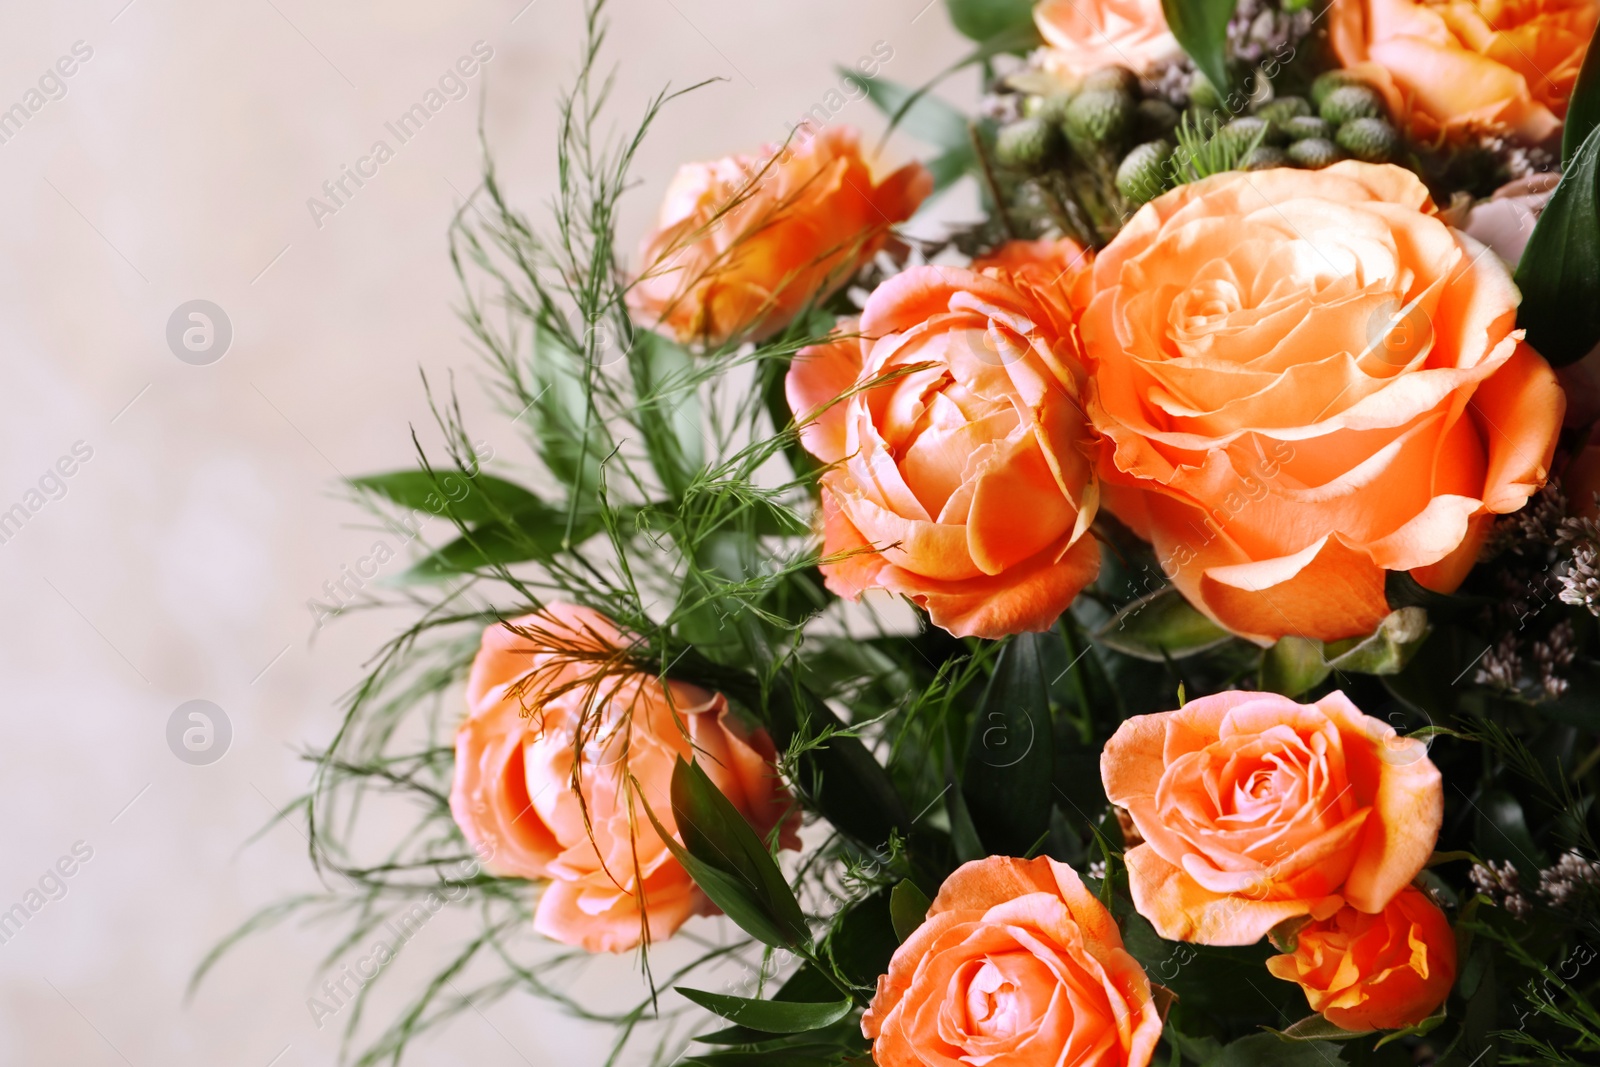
(1375, 972)
(1255, 809)
(554, 732)
(1469, 65)
(1017, 964)
(961, 474)
(1083, 36)
(744, 243)
(1304, 380)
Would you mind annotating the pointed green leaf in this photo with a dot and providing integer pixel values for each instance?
(908, 907)
(719, 838)
(1201, 26)
(1559, 274)
(1316, 1028)
(925, 117)
(470, 499)
(1006, 777)
(1583, 108)
(770, 1016)
(1159, 627)
(983, 20)
(1269, 1050)
(1388, 649)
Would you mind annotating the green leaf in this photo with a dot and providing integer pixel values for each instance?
(1387, 650)
(1421, 1029)
(1201, 26)
(535, 532)
(952, 166)
(1269, 1050)
(1159, 627)
(668, 415)
(770, 1016)
(1316, 1028)
(1559, 274)
(908, 907)
(729, 862)
(984, 20)
(470, 499)
(923, 116)
(1006, 777)
(1583, 108)
(556, 413)
(1503, 834)
(1293, 665)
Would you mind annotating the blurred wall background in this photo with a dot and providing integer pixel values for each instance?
(202, 508)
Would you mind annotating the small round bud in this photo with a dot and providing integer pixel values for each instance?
(1155, 119)
(1265, 158)
(1306, 126)
(1370, 140)
(1026, 144)
(1352, 102)
(1142, 176)
(1328, 81)
(1283, 109)
(1099, 117)
(1117, 79)
(1314, 153)
(1242, 133)
(1052, 109)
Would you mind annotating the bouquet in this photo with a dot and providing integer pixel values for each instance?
(1153, 622)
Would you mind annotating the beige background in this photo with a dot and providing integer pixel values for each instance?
(179, 562)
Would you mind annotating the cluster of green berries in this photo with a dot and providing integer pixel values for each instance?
(1107, 119)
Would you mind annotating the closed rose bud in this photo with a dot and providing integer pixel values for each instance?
(744, 243)
(1283, 109)
(1375, 972)
(1026, 144)
(1098, 118)
(1327, 82)
(1142, 175)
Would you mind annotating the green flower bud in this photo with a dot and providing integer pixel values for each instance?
(1239, 134)
(1027, 144)
(1281, 110)
(1142, 176)
(1265, 158)
(1052, 109)
(1314, 153)
(1327, 82)
(1155, 119)
(1352, 102)
(1117, 79)
(1099, 117)
(1372, 140)
(1306, 126)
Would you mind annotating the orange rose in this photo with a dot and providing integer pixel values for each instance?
(962, 480)
(1086, 35)
(1375, 972)
(1060, 263)
(1255, 809)
(743, 244)
(1305, 379)
(1017, 964)
(1463, 65)
(538, 698)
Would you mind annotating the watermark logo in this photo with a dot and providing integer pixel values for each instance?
(199, 332)
(199, 733)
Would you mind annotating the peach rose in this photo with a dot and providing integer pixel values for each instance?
(1255, 809)
(1305, 379)
(743, 244)
(1050, 262)
(1085, 35)
(1375, 972)
(961, 479)
(539, 698)
(1465, 65)
(1017, 964)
